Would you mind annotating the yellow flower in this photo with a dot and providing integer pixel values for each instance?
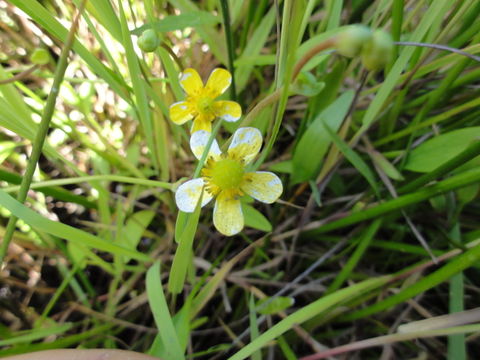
(200, 104)
(224, 178)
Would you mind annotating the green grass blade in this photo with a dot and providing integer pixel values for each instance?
(139, 86)
(40, 15)
(161, 314)
(455, 182)
(435, 11)
(455, 266)
(64, 231)
(354, 159)
(362, 246)
(306, 313)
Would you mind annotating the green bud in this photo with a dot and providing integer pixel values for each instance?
(40, 57)
(377, 52)
(148, 41)
(350, 41)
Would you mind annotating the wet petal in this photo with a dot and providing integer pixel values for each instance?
(199, 140)
(202, 122)
(227, 215)
(246, 144)
(180, 112)
(227, 110)
(188, 194)
(218, 82)
(190, 81)
(262, 185)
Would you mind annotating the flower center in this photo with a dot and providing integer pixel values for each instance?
(204, 104)
(227, 174)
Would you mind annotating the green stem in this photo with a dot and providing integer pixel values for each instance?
(230, 45)
(81, 179)
(42, 131)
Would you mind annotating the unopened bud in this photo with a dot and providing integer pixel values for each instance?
(148, 41)
(351, 40)
(377, 52)
(40, 57)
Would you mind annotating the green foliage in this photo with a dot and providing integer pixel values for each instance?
(313, 145)
(179, 22)
(438, 150)
(363, 133)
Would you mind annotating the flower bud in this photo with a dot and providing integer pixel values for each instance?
(377, 52)
(350, 41)
(40, 57)
(148, 41)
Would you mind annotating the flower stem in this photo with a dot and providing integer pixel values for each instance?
(42, 131)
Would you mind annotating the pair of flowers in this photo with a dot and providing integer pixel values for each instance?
(224, 176)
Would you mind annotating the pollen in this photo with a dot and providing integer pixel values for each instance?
(226, 174)
(204, 104)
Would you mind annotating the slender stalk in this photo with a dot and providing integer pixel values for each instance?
(230, 46)
(81, 179)
(42, 130)
(19, 76)
(439, 47)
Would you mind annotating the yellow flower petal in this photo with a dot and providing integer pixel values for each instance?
(218, 82)
(227, 110)
(246, 144)
(180, 112)
(199, 140)
(191, 81)
(262, 185)
(188, 194)
(227, 215)
(202, 122)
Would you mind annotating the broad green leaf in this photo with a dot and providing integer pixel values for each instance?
(180, 22)
(314, 143)
(255, 219)
(269, 306)
(282, 167)
(161, 314)
(435, 152)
